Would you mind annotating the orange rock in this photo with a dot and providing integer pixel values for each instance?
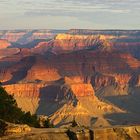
(81, 90)
(13, 36)
(122, 79)
(28, 90)
(4, 44)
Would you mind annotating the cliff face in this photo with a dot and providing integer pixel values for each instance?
(85, 67)
(120, 80)
(129, 47)
(41, 70)
(12, 36)
(26, 36)
(61, 100)
(30, 90)
(82, 90)
(79, 66)
(26, 95)
(127, 132)
(4, 44)
(77, 42)
(68, 42)
(81, 76)
(8, 52)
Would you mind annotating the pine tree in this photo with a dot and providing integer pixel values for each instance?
(10, 112)
(8, 107)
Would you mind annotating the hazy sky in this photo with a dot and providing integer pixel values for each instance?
(66, 14)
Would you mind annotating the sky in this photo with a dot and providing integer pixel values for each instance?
(69, 14)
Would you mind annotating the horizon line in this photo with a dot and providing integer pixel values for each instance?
(106, 29)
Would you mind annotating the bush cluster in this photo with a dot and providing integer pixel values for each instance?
(10, 112)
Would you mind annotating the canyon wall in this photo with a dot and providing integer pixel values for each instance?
(83, 76)
(4, 44)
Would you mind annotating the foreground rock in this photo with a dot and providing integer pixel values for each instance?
(11, 129)
(39, 134)
(17, 129)
(80, 133)
(117, 133)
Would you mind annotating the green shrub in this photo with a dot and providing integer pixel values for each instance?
(29, 119)
(74, 123)
(3, 126)
(8, 107)
(10, 112)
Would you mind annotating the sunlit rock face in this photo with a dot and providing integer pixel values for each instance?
(82, 75)
(4, 44)
(26, 36)
(13, 36)
(67, 43)
(73, 42)
(82, 90)
(26, 95)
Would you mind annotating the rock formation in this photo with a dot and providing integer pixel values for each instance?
(78, 133)
(80, 74)
(4, 44)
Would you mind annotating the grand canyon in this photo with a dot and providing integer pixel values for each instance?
(92, 76)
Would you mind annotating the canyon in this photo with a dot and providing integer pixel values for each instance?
(91, 76)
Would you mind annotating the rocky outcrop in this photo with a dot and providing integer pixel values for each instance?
(121, 133)
(42, 44)
(7, 128)
(29, 90)
(42, 70)
(17, 129)
(122, 79)
(39, 134)
(77, 42)
(8, 52)
(13, 36)
(61, 100)
(80, 133)
(26, 36)
(27, 95)
(67, 42)
(99, 80)
(81, 67)
(4, 44)
(82, 90)
(116, 79)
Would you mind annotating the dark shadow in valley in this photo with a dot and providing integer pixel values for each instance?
(22, 68)
(93, 120)
(123, 118)
(83, 63)
(50, 100)
(28, 45)
(129, 103)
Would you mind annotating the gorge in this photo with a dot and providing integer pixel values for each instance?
(90, 75)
